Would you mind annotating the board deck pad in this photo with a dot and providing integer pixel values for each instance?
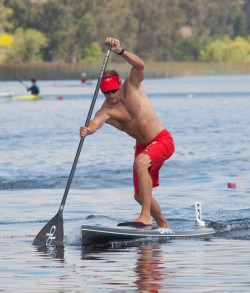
(134, 224)
(92, 235)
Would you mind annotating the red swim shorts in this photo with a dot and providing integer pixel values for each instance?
(159, 150)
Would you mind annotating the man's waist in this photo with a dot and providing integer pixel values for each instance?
(163, 134)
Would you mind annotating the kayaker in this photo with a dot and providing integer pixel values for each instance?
(84, 78)
(34, 89)
(128, 108)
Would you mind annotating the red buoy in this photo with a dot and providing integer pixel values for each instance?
(231, 185)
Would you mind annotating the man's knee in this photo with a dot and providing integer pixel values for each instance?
(142, 162)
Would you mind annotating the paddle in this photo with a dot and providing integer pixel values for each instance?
(18, 79)
(52, 233)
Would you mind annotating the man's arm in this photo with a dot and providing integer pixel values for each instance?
(97, 122)
(137, 70)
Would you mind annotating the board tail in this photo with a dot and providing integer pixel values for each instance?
(198, 214)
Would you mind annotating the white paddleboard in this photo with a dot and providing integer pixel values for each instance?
(95, 235)
(92, 235)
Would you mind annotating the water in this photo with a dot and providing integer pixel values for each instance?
(38, 143)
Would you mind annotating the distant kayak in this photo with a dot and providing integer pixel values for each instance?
(5, 97)
(35, 97)
(27, 98)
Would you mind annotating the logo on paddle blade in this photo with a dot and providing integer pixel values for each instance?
(51, 236)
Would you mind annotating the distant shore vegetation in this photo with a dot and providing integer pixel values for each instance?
(61, 71)
(175, 37)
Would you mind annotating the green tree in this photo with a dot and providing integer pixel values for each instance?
(117, 19)
(25, 13)
(211, 17)
(85, 30)
(159, 22)
(60, 27)
(93, 53)
(216, 50)
(149, 28)
(226, 49)
(5, 15)
(239, 20)
(246, 11)
(188, 49)
(27, 46)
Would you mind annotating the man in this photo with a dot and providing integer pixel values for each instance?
(128, 108)
(34, 89)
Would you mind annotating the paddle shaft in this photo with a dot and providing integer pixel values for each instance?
(18, 79)
(52, 233)
(86, 124)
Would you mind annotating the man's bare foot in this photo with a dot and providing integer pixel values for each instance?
(163, 224)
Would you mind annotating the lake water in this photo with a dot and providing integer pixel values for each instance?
(209, 118)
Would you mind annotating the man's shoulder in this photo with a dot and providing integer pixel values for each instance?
(103, 109)
(132, 85)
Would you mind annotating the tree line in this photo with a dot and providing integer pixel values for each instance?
(73, 31)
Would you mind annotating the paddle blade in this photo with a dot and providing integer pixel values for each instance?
(52, 233)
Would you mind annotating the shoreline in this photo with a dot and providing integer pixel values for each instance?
(153, 69)
(175, 85)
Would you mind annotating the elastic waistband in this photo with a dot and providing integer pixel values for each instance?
(162, 134)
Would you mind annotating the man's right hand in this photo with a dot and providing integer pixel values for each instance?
(84, 131)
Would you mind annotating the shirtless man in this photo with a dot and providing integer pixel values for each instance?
(128, 108)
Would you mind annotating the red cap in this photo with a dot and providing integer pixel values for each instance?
(110, 83)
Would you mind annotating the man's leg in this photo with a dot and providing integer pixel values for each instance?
(155, 212)
(150, 206)
(141, 164)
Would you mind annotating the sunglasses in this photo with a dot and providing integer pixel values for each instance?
(110, 92)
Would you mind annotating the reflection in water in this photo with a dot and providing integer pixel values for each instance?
(56, 252)
(145, 272)
(151, 271)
